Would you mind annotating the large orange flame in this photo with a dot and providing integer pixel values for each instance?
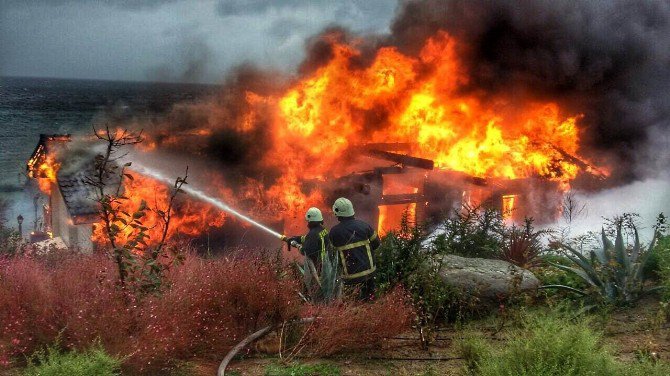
(322, 117)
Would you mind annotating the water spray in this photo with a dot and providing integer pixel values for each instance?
(211, 200)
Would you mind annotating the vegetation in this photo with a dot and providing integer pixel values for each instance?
(472, 232)
(52, 361)
(139, 265)
(614, 272)
(10, 240)
(522, 246)
(321, 369)
(407, 258)
(548, 345)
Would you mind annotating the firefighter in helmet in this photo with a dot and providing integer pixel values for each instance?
(355, 241)
(315, 243)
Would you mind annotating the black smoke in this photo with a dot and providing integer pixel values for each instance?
(609, 60)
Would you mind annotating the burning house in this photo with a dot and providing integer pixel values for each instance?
(70, 212)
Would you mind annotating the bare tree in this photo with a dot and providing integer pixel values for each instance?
(572, 208)
(125, 230)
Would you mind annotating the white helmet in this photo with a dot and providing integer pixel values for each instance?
(343, 207)
(313, 215)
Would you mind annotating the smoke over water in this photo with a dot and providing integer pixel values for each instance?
(588, 78)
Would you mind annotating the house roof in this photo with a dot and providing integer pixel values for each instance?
(74, 183)
(79, 196)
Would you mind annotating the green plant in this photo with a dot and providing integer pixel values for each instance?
(10, 240)
(522, 245)
(662, 253)
(473, 349)
(54, 362)
(406, 257)
(614, 271)
(471, 232)
(553, 345)
(321, 369)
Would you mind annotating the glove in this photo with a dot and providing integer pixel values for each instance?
(292, 239)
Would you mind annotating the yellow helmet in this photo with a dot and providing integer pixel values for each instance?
(343, 207)
(313, 215)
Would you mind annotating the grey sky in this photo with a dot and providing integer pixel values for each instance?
(169, 40)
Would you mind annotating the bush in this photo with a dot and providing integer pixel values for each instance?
(352, 325)
(472, 232)
(303, 370)
(615, 271)
(408, 258)
(553, 345)
(550, 345)
(54, 362)
(206, 307)
(210, 306)
(662, 260)
(522, 246)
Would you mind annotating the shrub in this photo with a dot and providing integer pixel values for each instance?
(408, 258)
(614, 271)
(54, 362)
(471, 232)
(209, 307)
(303, 370)
(553, 345)
(26, 318)
(662, 253)
(550, 345)
(352, 325)
(522, 245)
(205, 308)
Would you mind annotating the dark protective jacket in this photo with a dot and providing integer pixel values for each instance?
(355, 240)
(314, 244)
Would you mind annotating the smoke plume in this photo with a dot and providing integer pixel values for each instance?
(609, 60)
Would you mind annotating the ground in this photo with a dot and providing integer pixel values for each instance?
(628, 331)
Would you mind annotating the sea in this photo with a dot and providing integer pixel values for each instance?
(31, 106)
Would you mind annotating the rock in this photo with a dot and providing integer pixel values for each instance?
(489, 280)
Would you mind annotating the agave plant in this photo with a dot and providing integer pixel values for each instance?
(324, 285)
(522, 245)
(614, 272)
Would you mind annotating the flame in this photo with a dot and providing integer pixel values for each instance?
(46, 173)
(317, 123)
(189, 217)
(320, 119)
(508, 206)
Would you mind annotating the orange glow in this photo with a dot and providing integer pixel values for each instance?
(390, 217)
(319, 120)
(189, 217)
(508, 206)
(46, 173)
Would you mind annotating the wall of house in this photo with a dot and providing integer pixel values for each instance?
(74, 236)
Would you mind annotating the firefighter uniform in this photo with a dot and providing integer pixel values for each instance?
(355, 241)
(314, 244)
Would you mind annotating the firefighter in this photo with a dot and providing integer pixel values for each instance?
(355, 242)
(315, 244)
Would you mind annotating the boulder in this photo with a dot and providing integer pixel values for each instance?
(489, 280)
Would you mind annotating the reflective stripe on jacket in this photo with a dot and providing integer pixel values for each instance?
(355, 240)
(315, 245)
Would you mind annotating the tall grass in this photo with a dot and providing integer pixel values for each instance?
(551, 345)
(205, 307)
